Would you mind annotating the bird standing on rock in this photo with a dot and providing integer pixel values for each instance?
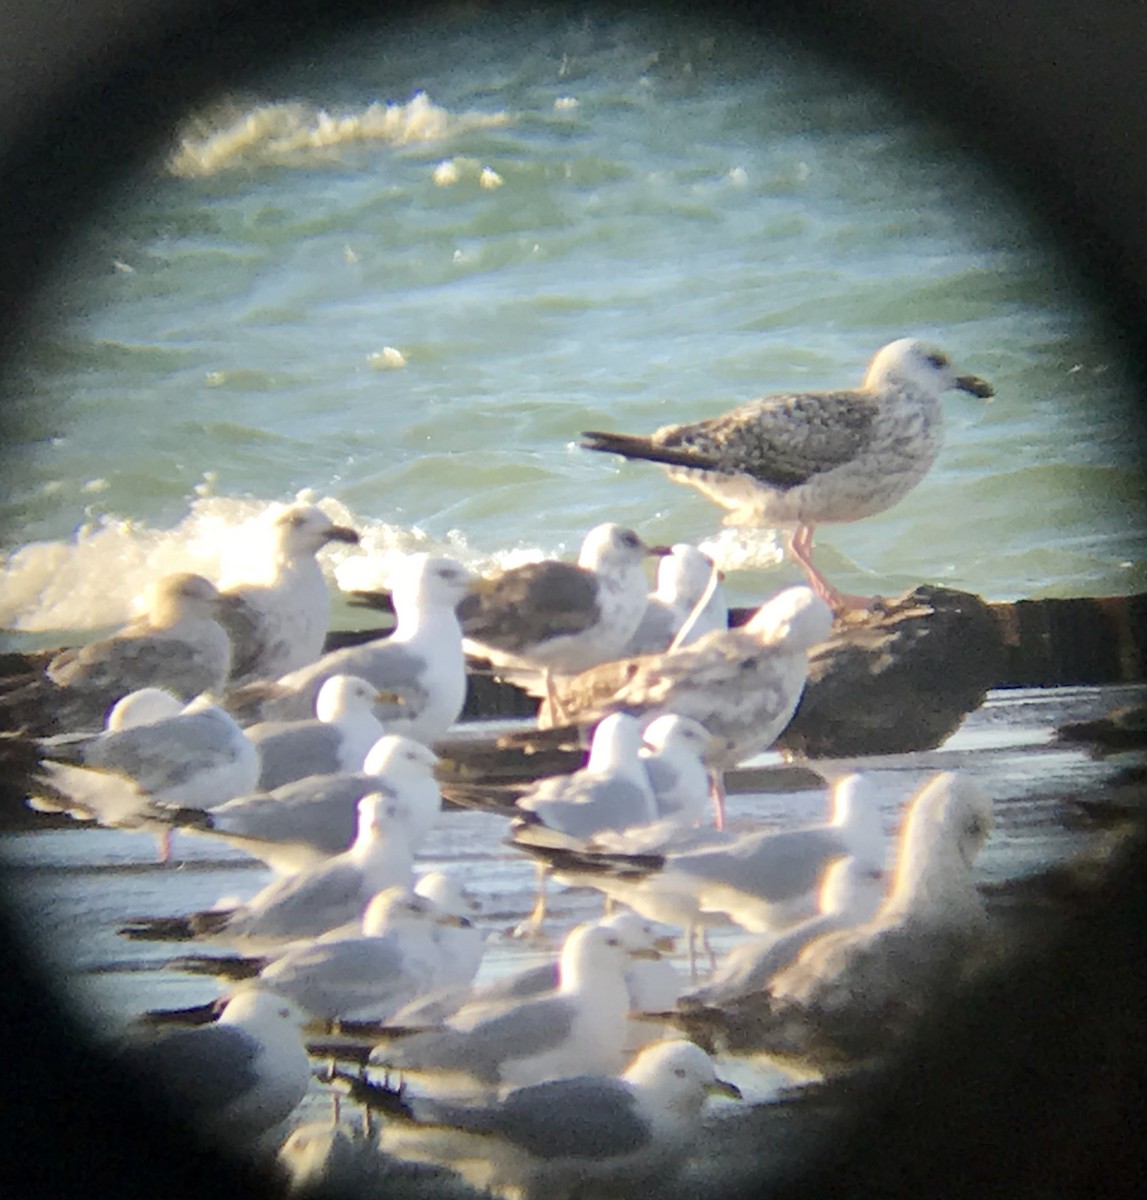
(797, 460)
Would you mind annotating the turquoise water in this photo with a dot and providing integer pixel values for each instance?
(402, 275)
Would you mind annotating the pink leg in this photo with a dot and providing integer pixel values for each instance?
(800, 548)
(164, 845)
(717, 795)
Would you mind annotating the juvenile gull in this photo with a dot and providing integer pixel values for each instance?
(802, 459)
(313, 901)
(559, 617)
(336, 740)
(277, 621)
(235, 1078)
(421, 662)
(125, 776)
(178, 645)
(303, 823)
(580, 1027)
(743, 685)
(684, 576)
(588, 1135)
(857, 993)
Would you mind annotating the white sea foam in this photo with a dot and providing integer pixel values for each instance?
(291, 134)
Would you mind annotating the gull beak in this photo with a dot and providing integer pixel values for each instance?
(722, 1087)
(975, 386)
(342, 533)
(453, 921)
(659, 551)
(647, 953)
(665, 945)
(385, 697)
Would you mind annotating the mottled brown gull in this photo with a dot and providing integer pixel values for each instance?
(277, 620)
(801, 459)
(178, 645)
(742, 685)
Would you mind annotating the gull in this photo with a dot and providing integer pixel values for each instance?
(612, 791)
(177, 645)
(463, 943)
(797, 460)
(301, 824)
(421, 661)
(593, 1134)
(310, 902)
(580, 1027)
(277, 616)
(687, 603)
(336, 740)
(237, 1077)
(859, 992)
(559, 617)
(146, 762)
(743, 685)
(651, 981)
(396, 954)
(850, 893)
(674, 751)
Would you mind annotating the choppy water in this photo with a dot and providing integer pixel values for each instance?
(402, 275)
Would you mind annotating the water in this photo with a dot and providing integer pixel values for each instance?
(649, 223)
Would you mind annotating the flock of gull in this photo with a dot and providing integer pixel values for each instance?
(218, 715)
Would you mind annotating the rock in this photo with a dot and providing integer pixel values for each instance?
(898, 679)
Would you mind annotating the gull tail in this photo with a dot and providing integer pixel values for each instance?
(176, 929)
(629, 446)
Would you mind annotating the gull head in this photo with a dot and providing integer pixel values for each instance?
(343, 694)
(429, 581)
(395, 754)
(909, 363)
(613, 547)
(304, 529)
(671, 732)
(678, 1076)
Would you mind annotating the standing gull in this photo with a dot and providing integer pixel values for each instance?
(311, 902)
(561, 617)
(300, 824)
(177, 645)
(858, 993)
(580, 1027)
(802, 459)
(589, 1135)
(850, 893)
(235, 1078)
(335, 740)
(421, 662)
(743, 685)
(125, 776)
(277, 621)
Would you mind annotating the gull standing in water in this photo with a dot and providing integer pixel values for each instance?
(278, 620)
(797, 460)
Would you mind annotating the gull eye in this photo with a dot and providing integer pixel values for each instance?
(679, 1072)
(937, 360)
(284, 1012)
